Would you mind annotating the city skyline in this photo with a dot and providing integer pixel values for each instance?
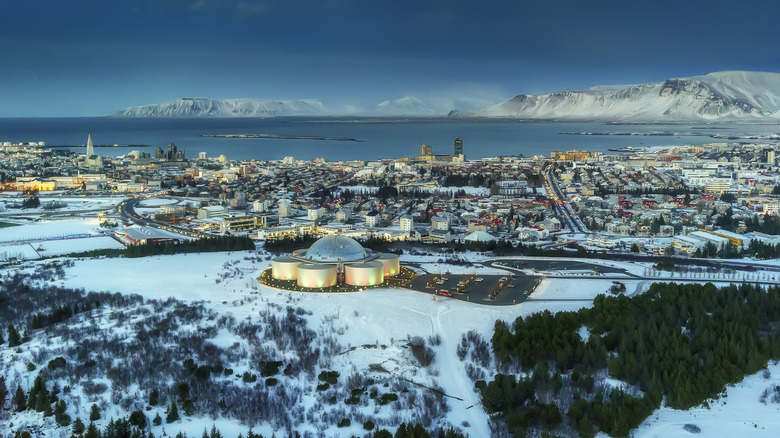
(92, 58)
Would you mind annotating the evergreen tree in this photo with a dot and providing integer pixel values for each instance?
(173, 413)
(157, 420)
(188, 407)
(94, 413)
(92, 431)
(38, 398)
(20, 401)
(60, 415)
(215, 433)
(3, 393)
(78, 426)
(138, 419)
(14, 340)
(154, 397)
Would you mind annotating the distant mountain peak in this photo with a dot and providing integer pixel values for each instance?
(726, 95)
(223, 108)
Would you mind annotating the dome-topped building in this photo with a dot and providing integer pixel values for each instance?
(335, 260)
(336, 248)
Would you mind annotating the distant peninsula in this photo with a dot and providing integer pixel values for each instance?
(281, 136)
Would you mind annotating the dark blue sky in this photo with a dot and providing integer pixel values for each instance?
(87, 57)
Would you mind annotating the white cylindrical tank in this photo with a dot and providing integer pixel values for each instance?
(364, 274)
(391, 263)
(315, 276)
(284, 268)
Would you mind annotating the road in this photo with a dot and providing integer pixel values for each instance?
(562, 209)
(126, 209)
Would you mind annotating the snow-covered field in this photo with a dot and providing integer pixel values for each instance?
(71, 205)
(39, 231)
(373, 327)
(375, 317)
(157, 202)
(739, 414)
(57, 237)
(69, 246)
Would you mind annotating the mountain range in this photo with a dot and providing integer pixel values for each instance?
(720, 96)
(729, 95)
(199, 107)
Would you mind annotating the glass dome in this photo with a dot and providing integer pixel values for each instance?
(336, 248)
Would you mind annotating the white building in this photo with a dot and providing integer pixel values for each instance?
(439, 236)
(211, 211)
(717, 185)
(316, 213)
(371, 218)
(284, 207)
(687, 245)
(343, 216)
(440, 223)
(720, 242)
(406, 223)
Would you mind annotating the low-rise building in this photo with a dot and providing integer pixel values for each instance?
(211, 211)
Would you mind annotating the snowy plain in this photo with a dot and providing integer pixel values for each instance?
(375, 317)
(375, 326)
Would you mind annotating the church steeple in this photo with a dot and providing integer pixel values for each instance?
(90, 148)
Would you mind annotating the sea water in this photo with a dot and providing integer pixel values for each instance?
(375, 138)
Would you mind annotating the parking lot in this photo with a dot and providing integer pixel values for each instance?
(515, 291)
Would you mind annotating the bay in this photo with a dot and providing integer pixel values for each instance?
(378, 138)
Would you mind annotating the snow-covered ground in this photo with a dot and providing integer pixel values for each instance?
(376, 317)
(739, 414)
(374, 326)
(56, 237)
(71, 205)
(42, 230)
(157, 202)
(69, 246)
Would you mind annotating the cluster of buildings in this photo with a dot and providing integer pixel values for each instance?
(665, 200)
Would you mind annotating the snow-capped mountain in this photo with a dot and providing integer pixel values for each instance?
(198, 107)
(408, 106)
(728, 95)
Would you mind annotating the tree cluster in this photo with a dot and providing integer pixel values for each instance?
(684, 343)
(205, 244)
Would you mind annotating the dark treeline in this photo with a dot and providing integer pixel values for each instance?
(681, 343)
(768, 224)
(756, 249)
(289, 244)
(206, 244)
(670, 191)
(416, 431)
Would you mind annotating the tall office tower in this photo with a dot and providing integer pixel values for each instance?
(426, 150)
(458, 147)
